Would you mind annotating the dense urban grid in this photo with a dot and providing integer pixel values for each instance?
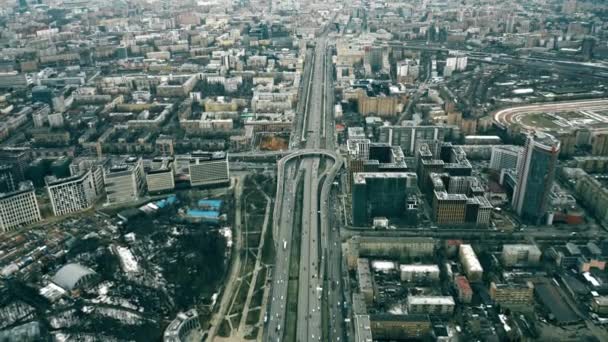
(303, 170)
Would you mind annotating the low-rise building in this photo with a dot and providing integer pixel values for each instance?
(435, 305)
(366, 283)
(463, 289)
(599, 305)
(512, 294)
(520, 255)
(470, 263)
(400, 327)
(393, 247)
(419, 273)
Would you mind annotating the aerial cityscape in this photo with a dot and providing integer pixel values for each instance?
(303, 170)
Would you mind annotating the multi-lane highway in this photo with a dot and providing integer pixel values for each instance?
(315, 165)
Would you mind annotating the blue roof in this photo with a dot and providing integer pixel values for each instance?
(203, 214)
(167, 201)
(211, 204)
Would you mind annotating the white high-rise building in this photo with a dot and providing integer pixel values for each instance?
(18, 208)
(72, 194)
(505, 157)
(125, 181)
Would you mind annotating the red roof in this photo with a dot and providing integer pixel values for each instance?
(463, 283)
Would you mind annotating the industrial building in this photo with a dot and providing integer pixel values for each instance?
(18, 208)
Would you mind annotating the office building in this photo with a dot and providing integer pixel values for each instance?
(364, 156)
(358, 148)
(470, 263)
(17, 157)
(7, 181)
(72, 194)
(504, 157)
(209, 168)
(411, 136)
(160, 177)
(125, 180)
(379, 194)
(96, 166)
(535, 175)
(520, 255)
(18, 208)
(434, 305)
(455, 197)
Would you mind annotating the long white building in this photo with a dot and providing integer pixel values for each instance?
(72, 194)
(209, 168)
(18, 208)
(470, 263)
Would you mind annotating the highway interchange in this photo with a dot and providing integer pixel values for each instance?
(314, 165)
